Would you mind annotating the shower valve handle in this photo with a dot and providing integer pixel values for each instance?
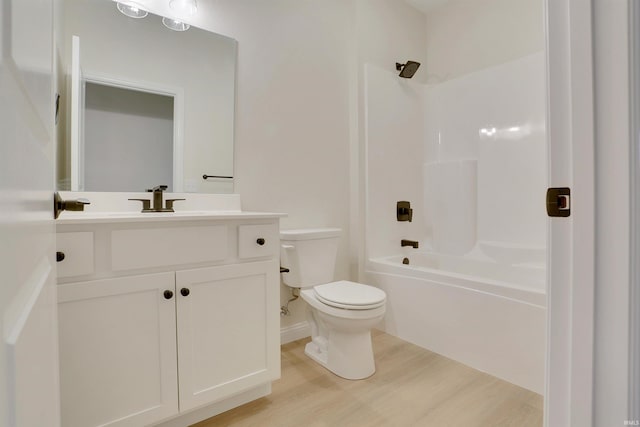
(404, 211)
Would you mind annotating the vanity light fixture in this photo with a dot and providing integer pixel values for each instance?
(184, 7)
(131, 9)
(175, 25)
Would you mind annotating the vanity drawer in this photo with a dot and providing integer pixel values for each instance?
(161, 247)
(77, 248)
(256, 241)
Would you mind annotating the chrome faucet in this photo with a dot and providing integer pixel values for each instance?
(412, 243)
(157, 201)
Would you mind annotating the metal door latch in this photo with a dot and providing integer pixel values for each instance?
(559, 201)
(60, 205)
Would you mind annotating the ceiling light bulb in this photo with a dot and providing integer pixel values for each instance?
(175, 25)
(184, 7)
(131, 9)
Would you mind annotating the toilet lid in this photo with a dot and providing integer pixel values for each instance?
(350, 295)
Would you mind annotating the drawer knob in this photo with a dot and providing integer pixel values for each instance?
(168, 294)
(184, 292)
(260, 241)
(59, 256)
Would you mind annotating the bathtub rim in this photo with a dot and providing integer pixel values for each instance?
(483, 285)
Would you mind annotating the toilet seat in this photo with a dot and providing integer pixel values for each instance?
(350, 295)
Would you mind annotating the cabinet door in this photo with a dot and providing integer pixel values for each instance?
(118, 362)
(228, 330)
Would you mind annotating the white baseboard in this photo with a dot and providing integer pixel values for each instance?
(294, 332)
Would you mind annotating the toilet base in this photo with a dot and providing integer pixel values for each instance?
(341, 338)
(349, 356)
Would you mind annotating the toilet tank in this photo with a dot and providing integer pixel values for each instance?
(310, 255)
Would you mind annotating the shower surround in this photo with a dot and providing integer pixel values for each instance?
(470, 154)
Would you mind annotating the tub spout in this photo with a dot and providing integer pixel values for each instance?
(412, 243)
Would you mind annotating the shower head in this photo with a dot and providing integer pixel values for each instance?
(407, 70)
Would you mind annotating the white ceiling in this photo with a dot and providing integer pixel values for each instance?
(426, 5)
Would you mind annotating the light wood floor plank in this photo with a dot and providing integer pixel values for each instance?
(411, 387)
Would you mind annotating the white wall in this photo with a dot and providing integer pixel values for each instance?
(391, 31)
(469, 35)
(292, 114)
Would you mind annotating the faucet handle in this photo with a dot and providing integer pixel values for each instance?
(157, 188)
(170, 203)
(146, 204)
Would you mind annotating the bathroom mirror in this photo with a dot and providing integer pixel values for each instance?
(143, 104)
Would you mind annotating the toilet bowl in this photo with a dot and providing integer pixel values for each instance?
(340, 313)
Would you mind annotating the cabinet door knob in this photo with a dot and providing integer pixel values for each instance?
(260, 241)
(59, 256)
(184, 292)
(168, 294)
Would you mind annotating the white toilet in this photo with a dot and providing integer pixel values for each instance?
(341, 313)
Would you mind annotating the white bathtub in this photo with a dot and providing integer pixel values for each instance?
(488, 315)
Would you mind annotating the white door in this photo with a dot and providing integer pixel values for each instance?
(614, 36)
(569, 378)
(118, 362)
(634, 315)
(77, 117)
(28, 354)
(228, 339)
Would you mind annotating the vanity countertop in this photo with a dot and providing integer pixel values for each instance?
(108, 207)
(69, 218)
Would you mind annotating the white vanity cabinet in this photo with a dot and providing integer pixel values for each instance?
(222, 324)
(182, 326)
(118, 363)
